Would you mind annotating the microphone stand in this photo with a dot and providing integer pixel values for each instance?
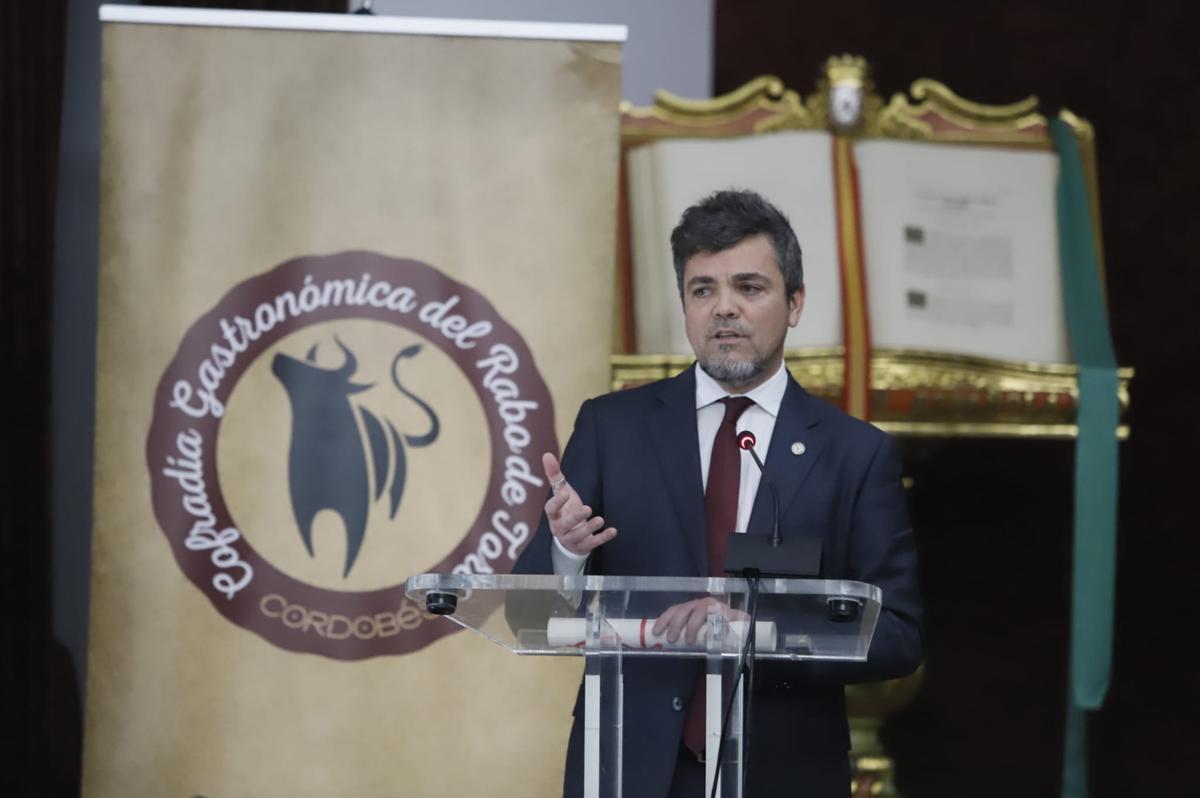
(745, 668)
(776, 537)
(753, 557)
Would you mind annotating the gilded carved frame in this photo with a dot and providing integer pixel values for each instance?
(914, 393)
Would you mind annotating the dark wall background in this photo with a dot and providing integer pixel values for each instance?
(31, 38)
(994, 517)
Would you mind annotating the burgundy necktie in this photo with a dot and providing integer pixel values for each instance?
(720, 511)
(724, 480)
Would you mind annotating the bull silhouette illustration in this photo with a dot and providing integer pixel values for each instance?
(327, 459)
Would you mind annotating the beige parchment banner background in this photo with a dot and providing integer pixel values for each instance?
(226, 152)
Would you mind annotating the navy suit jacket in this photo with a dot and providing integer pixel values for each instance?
(634, 458)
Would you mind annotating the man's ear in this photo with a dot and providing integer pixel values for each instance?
(795, 306)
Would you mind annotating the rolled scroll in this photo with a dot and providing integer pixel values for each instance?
(638, 633)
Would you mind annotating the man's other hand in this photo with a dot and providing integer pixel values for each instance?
(690, 617)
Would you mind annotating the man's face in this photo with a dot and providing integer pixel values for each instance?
(737, 313)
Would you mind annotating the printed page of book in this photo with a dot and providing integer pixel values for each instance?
(794, 170)
(962, 250)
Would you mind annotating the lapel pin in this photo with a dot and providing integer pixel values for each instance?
(798, 448)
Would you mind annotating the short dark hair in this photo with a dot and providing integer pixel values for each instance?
(723, 220)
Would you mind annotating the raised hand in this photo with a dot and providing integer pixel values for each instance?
(571, 521)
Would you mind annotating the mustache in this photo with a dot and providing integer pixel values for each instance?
(736, 327)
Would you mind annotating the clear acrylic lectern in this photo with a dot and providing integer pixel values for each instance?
(607, 618)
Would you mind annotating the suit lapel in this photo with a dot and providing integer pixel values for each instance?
(677, 449)
(798, 422)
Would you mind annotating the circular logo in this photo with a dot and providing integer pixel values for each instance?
(337, 424)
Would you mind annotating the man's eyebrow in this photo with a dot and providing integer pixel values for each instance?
(701, 279)
(744, 276)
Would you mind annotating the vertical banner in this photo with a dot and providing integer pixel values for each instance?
(355, 277)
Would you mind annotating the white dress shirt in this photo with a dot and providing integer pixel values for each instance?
(759, 418)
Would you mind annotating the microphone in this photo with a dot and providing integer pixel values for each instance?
(745, 442)
(753, 555)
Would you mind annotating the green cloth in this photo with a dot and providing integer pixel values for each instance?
(1074, 774)
(1094, 568)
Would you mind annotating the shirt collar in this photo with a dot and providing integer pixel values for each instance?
(768, 396)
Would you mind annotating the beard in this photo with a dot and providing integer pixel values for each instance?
(732, 371)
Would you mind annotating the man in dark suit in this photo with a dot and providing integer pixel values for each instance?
(656, 480)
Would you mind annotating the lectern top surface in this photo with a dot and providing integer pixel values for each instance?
(796, 619)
